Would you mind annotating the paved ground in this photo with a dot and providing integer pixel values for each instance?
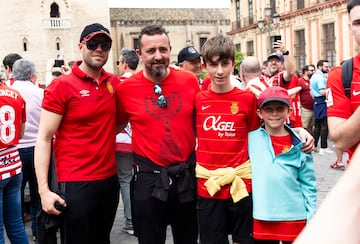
(326, 178)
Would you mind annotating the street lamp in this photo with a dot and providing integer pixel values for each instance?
(269, 23)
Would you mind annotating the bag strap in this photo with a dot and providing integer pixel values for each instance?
(346, 73)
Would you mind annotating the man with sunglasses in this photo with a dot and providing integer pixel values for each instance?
(159, 103)
(78, 108)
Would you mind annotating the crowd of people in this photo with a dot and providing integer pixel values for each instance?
(210, 156)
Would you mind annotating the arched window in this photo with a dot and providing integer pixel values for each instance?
(25, 44)
(58, 44)
(54, 10)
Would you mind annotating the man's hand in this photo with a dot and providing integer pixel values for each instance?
(307, 139)
(48, 200)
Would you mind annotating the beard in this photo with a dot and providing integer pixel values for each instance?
(158, 71)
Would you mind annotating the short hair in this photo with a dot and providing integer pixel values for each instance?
(218, 45)
(151, 30)
(10, 59)
(321, 62)
(23, 69)
(305, 68)
(130, 57)
(351, 4)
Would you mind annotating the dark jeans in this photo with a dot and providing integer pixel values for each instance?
(27, 159)
(321, 130)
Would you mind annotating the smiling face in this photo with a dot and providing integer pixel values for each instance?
(219, 71)
(155, 54)
(95, 59)
(274, 115)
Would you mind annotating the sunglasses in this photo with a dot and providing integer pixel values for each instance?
(93, 44)
(119, 62)
(161, 99)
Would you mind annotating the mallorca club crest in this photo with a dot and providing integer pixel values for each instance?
(234, 108)
(110, 87)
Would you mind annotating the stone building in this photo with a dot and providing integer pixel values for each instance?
(311, 29)
(185, 26)
(42, 30)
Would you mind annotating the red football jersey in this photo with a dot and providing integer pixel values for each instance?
(164, 135)
(12, 115)
(84, 144)
(223, 121)
(339, 105)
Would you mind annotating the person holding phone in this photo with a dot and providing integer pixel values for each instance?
(283, 73)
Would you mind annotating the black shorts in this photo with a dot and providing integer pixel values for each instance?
(219, 218)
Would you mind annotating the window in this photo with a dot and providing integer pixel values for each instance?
(300, 4)
(329, 52)
(273, 6)
(299, 48)
(238, 47)
(250, 48)
(238, 18)
(251, 12)
(136, 43)
(25, 44)
(202, 40)
(58, 46)
(54, 10)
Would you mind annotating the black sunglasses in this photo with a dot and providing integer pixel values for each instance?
(93, 44)
(119, 62)
(161, 99)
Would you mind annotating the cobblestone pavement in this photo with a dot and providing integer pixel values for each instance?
(326, 178)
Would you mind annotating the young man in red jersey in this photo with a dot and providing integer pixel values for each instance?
(159, 102)
(224, 117)
(343, 113)
(79, 109)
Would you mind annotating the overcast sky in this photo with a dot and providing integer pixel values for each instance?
(169, 3)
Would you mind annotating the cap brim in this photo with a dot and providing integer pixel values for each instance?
(273, 100)
(97, 33)
(274, 56)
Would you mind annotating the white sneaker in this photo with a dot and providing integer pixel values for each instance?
(323, 151)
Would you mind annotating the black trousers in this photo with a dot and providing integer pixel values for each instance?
(91, 210)
(321, 130)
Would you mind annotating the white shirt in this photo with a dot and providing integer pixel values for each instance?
(33, 96)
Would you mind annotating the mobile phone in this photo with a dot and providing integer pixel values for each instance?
(277, 38)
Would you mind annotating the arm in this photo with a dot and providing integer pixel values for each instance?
(342, 130)
(49, 122)
(292, 91)
(338, 217)
(289, 65)
(307, 182)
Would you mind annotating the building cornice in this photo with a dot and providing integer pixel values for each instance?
(299, 12)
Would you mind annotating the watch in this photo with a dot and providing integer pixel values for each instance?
(286, 53)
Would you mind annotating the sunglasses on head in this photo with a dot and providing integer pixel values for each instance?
(161, 99)
(93, 44)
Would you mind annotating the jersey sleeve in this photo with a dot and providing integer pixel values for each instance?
(338, 105)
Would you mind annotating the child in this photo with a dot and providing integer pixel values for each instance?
(284, 191)
(224, 116)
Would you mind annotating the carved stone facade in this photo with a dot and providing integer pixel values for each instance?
(185, 26)
(29, 29)
(41, 30)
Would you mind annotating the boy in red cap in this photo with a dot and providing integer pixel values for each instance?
(283, 177)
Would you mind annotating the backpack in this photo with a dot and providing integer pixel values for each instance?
(346, 73)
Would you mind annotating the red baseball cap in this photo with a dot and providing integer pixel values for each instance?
(274, 93)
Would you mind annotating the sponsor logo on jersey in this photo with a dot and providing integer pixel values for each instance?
(85, 93)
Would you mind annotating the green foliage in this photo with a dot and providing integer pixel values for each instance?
(238, 58)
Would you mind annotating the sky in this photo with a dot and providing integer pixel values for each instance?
(169, 3)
